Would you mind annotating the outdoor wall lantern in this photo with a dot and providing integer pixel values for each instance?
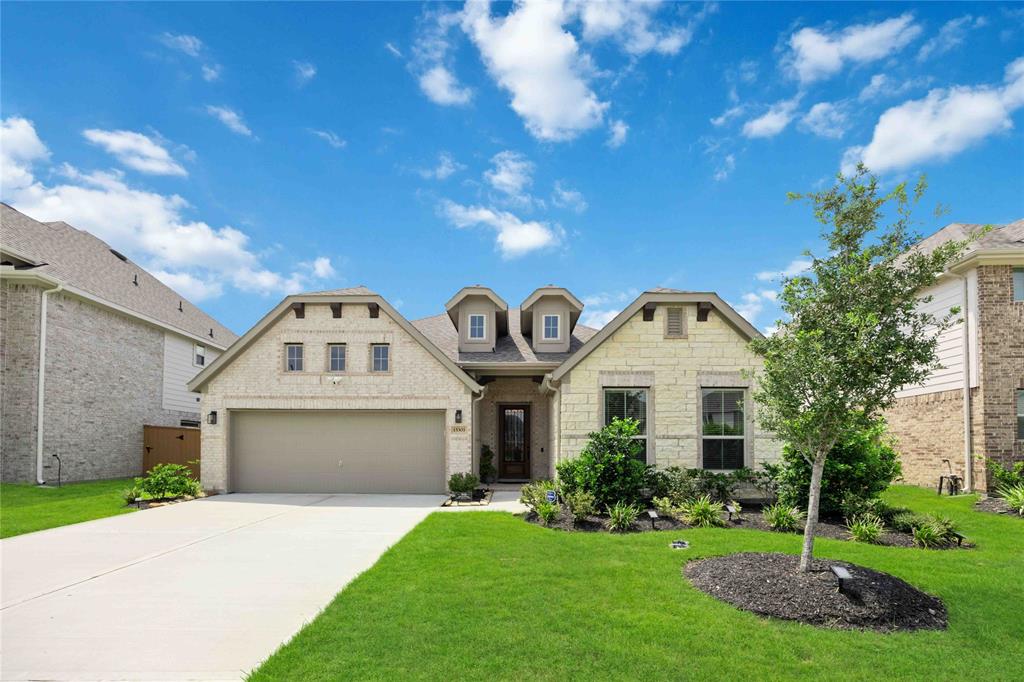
(212, 417)
(458, 416)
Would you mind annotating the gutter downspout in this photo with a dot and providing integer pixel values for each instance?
(966, 345)
(41, 386)
(474, 421)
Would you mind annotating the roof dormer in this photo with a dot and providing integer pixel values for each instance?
(548, 316)
(480, 316)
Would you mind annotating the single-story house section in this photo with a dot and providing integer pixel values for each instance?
(335, 391)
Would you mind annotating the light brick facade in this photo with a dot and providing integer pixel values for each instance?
(638, 354)
(516, 391)
(256, 379)
(104, 378)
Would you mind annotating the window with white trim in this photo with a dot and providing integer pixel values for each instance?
(477, 327)
(628, 403)
(381, 357)
(722, 428)
(336, 357)
(199, 355)
(1018, 284)
(551, 327)
(293, 357)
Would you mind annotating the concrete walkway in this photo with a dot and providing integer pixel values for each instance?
(200, 590)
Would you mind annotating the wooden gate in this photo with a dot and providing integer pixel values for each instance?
(170, 445)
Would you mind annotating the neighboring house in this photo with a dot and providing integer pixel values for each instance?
(335, 391)
(117, 349)
(974, 404)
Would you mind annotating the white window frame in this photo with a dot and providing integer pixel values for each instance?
(544, 327)
(301, 358)
(330, 357)
(483, 327)
(373, 358)
(198, 355)
(647, 412)
(742, 437)
(1018, 284)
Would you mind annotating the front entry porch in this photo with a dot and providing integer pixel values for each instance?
(512, 419)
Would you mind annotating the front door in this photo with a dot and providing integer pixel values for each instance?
(514, 442)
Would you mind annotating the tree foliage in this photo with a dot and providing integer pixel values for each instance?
(854, 333)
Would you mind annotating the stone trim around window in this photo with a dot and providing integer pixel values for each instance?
(726, 381)
(369, 361)
(643, 380)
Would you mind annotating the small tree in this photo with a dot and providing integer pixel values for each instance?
(854, 333)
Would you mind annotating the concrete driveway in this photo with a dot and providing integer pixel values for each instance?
(200, 590)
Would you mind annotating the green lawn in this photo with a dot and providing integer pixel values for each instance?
(28, 508)
(486, 596)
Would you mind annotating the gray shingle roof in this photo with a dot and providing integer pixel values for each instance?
(1001, 238)
(512, 348)
(358, 290)
(83, 261)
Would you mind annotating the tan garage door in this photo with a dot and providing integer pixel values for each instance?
(326, 451)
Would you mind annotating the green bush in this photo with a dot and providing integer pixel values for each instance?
(906, 521)
(609, 466)
(783, 517)
(166, 481)
(928, 536)
(580, 504)
(548, 512)
(665, 506)
(866, 527)
(622, 516)
(488, 474)
(1006, 476)
(703, 512)
(862, 464)
(462, 483)
(1014, 496)
(129, 495)
(536, 493)
(682, 485)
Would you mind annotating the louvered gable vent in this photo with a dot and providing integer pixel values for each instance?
(675, 324)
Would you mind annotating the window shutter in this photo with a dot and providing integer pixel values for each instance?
(674, 325)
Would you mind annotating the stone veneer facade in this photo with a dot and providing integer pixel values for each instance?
(255, 379)
(638, 354)
(104, 382)
(929, 427)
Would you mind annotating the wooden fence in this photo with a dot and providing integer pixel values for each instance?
(170, 445)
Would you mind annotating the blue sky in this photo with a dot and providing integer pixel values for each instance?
(245, 151)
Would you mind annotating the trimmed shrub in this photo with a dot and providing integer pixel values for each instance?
(665, 506)
(548, 512)
(783, 517)
(536, 493)
(488, 474)
(1014, 496)
(1006, 475)
(682, 485)
(906, 521)
(863, 464)
(580, 504)
(703, 512)
(166, 481)
(866, 528)
(609, 466)
(622, 516)
(463, 483)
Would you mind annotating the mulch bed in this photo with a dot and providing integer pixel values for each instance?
(771, 585)
(829, 529)
(599, 524)
(163, 501)
(996, 505)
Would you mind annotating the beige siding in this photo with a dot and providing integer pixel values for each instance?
(256, 380)
(638, 354)
(551, 305)
(179, 370)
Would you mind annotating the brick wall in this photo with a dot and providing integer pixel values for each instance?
(713, 352)
(928, 429)
(104, 375)
(518, 391)
(256, 380)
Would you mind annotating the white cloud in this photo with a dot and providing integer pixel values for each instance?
(441, 87)
(20, 148)
(304, 72)
(539, 63)
(605, 299)
(617, 132)
(816, 54)
(190, 45)
(826, 119)
(150, 226)
(135, 150)
(773, 121)
(729, 114)
(753, 303)
(330, 137)
(445, 168)
(598, 318)
(320, 267)
(632, 25)
(231, 118)
(795, 267)
(883, 86)
(564, 197)
(390, 47)
(940, 125)
(726, 168)
(190, 286)
(515, 237)
(211, 72)
(511, 174)
(952, 35)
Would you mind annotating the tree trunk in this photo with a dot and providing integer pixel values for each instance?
(813, 497)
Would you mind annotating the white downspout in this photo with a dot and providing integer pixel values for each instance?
(474, 421)
(41, 386)
(966, 346)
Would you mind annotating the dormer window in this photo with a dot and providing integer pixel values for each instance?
(551, 332)
(477, 327)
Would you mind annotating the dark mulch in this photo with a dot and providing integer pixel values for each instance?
(599, 524)
(996, 505)
(829, 529)
(771, 585)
